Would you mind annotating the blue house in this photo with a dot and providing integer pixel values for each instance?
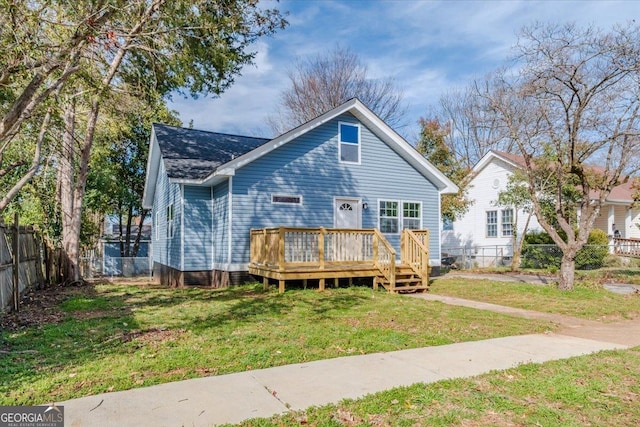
(346, 169)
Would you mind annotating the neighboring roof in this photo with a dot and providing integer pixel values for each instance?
(623, 193)
(195, 154)
(191, 163)
(514, 160)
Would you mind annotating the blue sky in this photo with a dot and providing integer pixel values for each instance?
(428, 47)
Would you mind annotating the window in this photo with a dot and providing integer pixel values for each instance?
(389, 217)
(287, 200)
(349, 145)
(507, 222)
(411, 215)
(170, 221)
(447, 224)
(492, 223)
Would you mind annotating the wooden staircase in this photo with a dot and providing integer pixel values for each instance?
(406, 281)
(412, 273)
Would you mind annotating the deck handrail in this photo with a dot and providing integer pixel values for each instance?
(294, 246)
(384, 258)
(415, 253)
(626, 247)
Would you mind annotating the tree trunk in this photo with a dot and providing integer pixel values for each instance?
(136, 243)
(66, 197)
(518, 243)
(567, 271)
(73, 186)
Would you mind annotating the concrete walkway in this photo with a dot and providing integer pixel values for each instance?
(263, 393)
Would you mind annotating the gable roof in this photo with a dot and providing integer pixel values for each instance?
(514, 160)
(228, 159)
(622, 193)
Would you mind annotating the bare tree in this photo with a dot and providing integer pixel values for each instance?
(473, 131)
(572, 108)
(325, 81)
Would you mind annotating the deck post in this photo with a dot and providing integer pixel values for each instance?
(321, 284)
(304, 283)
(392, 273)
(375, 249)
(336, 282)
(265, 282)
(281, 286)
(375, 283)
(321, 250)
(281, 249)
(265, 247)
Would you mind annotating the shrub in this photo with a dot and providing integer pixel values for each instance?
(540, 251)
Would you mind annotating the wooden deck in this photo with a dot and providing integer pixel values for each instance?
(286, 254)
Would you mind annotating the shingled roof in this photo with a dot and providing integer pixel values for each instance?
(195, 154)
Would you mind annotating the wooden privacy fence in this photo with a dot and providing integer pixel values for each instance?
(21, 263)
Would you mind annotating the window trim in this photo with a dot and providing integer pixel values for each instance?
(170, 220)
(419, 211)
(400, 218)
(286, 196)
(157, 226)
(358, 144)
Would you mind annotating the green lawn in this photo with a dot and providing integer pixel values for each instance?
(596, 390)
(115, 337)
(588, 300)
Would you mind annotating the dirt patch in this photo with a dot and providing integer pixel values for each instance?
(40, 307)
(154, 336)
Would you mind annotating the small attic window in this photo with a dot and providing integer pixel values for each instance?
(349, 143)
(286, 199)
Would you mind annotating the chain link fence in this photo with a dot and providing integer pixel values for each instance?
(590, 257)
(94, 267)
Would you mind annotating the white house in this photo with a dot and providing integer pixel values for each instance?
(486, 230)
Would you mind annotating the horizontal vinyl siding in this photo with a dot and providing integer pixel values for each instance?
(470, 230)
(166, 251)
(197, 231)
(309, 167)
(221, 223)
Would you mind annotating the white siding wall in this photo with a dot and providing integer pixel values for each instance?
(471, 229)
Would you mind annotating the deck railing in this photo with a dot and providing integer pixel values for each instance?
(415, 252)
(296, 247)
(626, 247)
(384, 257)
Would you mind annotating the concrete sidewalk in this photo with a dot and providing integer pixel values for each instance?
(262, 393)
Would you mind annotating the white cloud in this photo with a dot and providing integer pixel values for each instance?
(429, 47)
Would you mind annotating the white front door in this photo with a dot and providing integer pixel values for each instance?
(347, 213)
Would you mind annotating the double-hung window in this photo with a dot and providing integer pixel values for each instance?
(170, 221)
(395, 215)
(492, 223)
(411, 215)
(389, 220)
(349, 143)
(507, 222)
